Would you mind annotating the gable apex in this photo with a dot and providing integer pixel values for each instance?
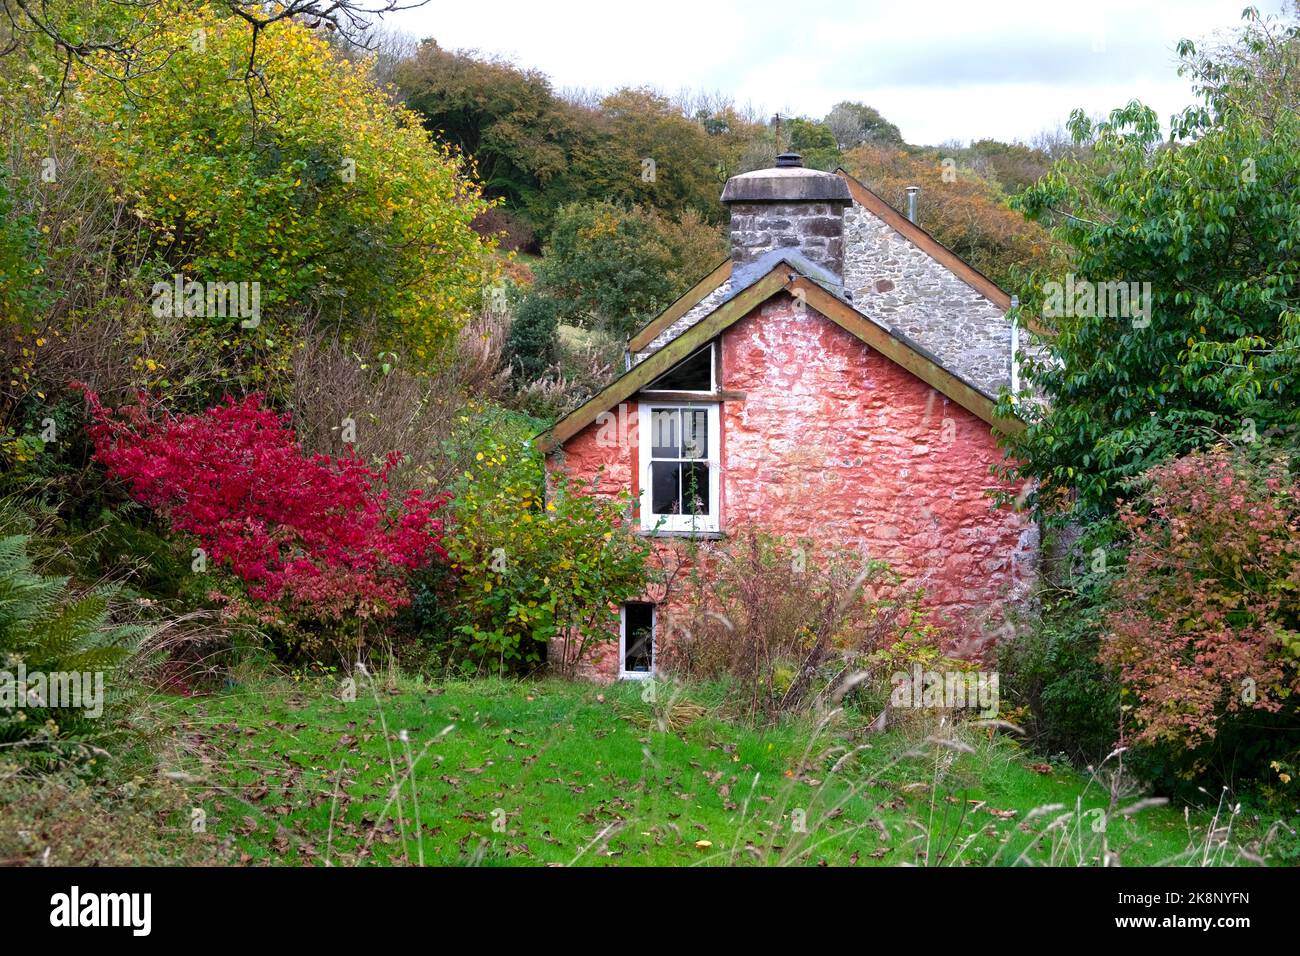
(742, 277)
(786, 275)
(924, 241)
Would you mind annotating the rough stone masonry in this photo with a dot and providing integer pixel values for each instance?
(833, 442)
(788, 206)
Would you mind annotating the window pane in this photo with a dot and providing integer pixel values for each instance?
(695, 433)
(695, 488)
(665, 435)
(666, 488)
(638, 636)
(693, 375)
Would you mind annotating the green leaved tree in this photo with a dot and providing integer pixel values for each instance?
(1200, 232)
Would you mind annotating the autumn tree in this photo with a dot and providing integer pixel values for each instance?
(814, 141)
(336, 203)
(656, 157)
(853, 124)
(307, 198)
(527, 143)
(1013, 166)
(124, 40)
(611, 268)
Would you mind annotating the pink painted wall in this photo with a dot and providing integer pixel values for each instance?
(836, 443)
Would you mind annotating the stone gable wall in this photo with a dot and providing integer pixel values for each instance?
(902, 286)
(692, 315)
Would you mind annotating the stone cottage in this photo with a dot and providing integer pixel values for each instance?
(834, 379)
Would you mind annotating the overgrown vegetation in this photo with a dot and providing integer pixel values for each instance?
(535, 561)
(277, 341)
(309, 548)
(1161, 414)
(553, 772)
(1204, 626)
(57, 650)
(788, 628)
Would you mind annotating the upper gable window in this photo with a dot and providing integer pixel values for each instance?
(695, 374)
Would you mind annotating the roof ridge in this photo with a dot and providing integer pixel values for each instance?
(931, 369)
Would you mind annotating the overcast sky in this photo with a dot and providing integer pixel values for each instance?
(939, 69)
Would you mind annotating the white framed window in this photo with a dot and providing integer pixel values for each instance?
(680, 466)
(636, 641)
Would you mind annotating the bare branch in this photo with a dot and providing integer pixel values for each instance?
(136, 53)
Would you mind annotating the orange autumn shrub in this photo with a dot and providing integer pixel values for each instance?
(1204, 626)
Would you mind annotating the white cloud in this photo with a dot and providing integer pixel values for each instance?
(938, 69)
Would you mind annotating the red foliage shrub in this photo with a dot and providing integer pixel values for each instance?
(315, 532)
(1206, 612)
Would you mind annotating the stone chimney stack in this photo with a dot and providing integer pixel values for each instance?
(788, 206)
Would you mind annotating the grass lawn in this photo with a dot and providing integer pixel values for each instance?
(572, 774)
